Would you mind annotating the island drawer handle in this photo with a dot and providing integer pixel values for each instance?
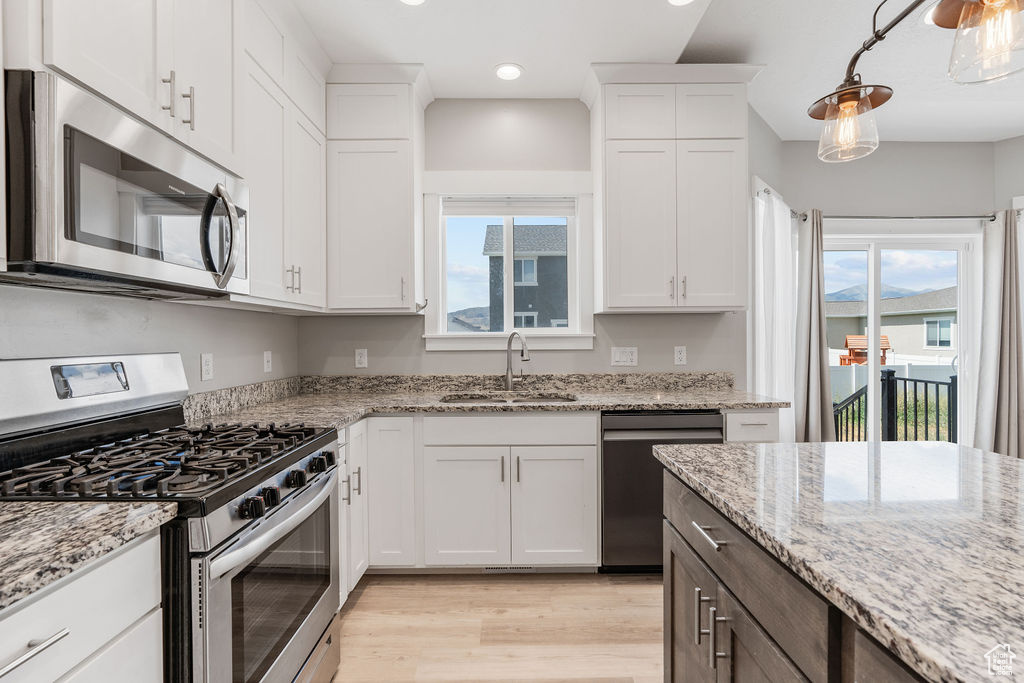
(703, 531)
(35, 647)
(713, 654)
(697, 630)
(753, 424)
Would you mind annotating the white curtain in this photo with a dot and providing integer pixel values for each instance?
(772, 309)
(813, 400)
(998, 424)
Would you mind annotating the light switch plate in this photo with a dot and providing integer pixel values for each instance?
(362, 358)
(680, 355)
(205, 367)
(268, 361)
(624, 355)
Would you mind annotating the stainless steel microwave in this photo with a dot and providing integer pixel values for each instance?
(99, 201)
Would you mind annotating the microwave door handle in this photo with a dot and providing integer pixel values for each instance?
(271, 533)
(224, 276)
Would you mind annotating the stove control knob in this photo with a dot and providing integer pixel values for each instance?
(330, 458)
(296, 479)
(317, 464)
(271, 496)
(252, 508)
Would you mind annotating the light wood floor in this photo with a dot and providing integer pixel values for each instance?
(539, 627)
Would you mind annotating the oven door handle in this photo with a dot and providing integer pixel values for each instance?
(224, 276)
(272, 532)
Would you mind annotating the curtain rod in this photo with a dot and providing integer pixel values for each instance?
(988, 216)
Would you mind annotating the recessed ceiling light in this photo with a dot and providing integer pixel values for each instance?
(679, 3)
(414, 2)
(508, 72)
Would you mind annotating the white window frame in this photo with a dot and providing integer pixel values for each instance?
(524, 315)
(938, 333)
(524, 282)
(874, 237)
(579, 333)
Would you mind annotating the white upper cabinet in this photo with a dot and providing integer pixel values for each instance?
(371, 230)
(711, 110)
(640, 112)
(120, 48)
(369, 111)
(640, 224)
(306, 224)
(712, 222)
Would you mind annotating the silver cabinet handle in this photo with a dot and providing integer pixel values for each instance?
(698, 599)
(672, 287)
(682, 287)
(191, 97)
(298, 271)
(703, 531)
(503, 469)
(290, 271)
(753, 424)
(403, 289)
(35, 647)
(519, 469)
(713, 654)
(347, 498)
(359, 486)
(172, 99)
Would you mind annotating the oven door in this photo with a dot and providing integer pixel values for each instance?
(123, 199)
(261, 604)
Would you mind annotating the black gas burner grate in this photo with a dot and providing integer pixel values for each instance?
(179, 461)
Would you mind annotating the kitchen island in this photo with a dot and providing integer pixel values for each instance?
(892, 561)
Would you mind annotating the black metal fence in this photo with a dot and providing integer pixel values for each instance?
(912, 410)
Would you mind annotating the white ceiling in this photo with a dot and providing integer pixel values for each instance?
(806, 44)
(461, 41)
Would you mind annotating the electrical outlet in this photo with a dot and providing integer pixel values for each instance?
(680, 357)
(624, 355)
(268, 361)
(362, 358)
(205, 367)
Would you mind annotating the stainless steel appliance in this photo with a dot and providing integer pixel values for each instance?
(631, 502)
(251, 563)
(99, 201)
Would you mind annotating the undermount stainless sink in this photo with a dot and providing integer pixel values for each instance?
(509, 397)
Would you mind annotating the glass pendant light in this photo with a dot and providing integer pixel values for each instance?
(849, 131)
(989, 42)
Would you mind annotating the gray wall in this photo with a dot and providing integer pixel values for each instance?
(38, 322)
(1009, 171)
(765, 150)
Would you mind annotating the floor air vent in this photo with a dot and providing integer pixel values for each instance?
(510, 570)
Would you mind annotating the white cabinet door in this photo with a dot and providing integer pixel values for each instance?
(377, 111)
(344, 504)
(466, 505)
(640, 112)
(640, 224)
(391, 483)
(712, 219)
(711, 110)
(554, 505)
(306, 234)
(265, 134)
(116, 47)
(136, 655)
(206, 59)
(358, 528)
(370, 225)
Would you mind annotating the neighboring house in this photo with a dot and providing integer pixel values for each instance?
(917, 325)
(540, 275)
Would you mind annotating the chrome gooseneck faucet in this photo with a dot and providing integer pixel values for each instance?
(524, 355)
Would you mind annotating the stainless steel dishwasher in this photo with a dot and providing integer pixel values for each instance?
(631, 502)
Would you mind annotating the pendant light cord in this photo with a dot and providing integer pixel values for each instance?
(877, 36)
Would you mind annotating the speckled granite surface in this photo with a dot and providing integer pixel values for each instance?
(921, 544)
(237, 398)
(43, 542)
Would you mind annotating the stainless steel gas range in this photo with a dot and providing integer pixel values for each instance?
(250, 564)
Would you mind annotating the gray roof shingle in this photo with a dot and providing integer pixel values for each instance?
(528, 240)
(938, 300)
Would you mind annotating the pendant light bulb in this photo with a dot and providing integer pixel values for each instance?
(850, 131)
(989, 42)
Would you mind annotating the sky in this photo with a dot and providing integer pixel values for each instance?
(467, 267)
(910, 269)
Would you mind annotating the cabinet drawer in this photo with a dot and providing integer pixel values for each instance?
(528, 429)
(136, 655)
(795, 617)
(93, 606)
(756, 427)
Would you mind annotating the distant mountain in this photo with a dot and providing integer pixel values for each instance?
(860, 293)
(473, 319)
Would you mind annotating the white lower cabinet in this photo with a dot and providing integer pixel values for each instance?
(358, 526)
(344, 503)
(135, 655)
(554, 505)
(466, 514)
(391, 474)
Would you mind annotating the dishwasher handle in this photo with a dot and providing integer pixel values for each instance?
(666, 436)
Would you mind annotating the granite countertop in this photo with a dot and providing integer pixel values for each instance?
(919, 543)
(43, 542)
(342, 408)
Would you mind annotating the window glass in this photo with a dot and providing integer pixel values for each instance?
(933, 333)
(474, 274)
(541, 275)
